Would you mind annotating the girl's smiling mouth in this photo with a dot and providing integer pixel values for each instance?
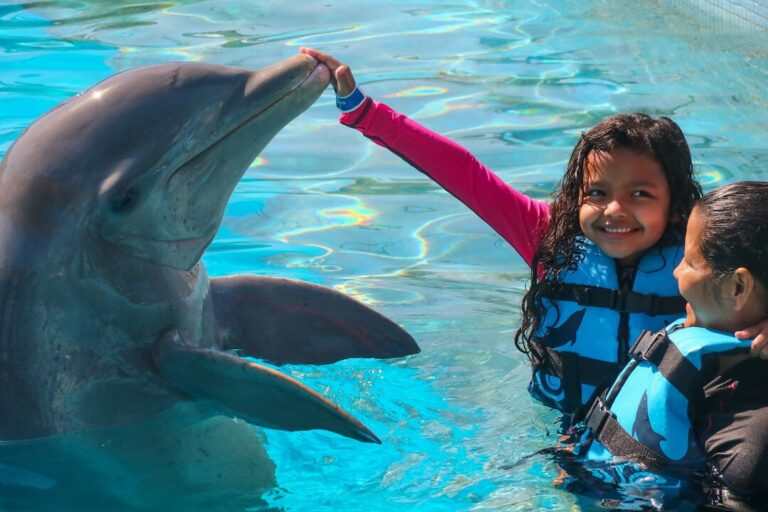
(617, 231)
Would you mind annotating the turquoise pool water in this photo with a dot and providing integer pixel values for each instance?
(514, 81)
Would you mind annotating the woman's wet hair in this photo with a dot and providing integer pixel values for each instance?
(658, 138)
(734, 229)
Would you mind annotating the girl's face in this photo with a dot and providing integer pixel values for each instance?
(694, 278)
(625, 207)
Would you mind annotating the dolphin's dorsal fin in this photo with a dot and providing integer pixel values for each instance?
(288, 321)
(254, 392)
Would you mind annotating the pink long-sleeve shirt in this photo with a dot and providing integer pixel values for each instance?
(520, 220)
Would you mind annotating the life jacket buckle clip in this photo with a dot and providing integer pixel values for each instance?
(654, 303)
(649, 347)
(597, 416)
(619, 300)
(650, 304)
(627, 301)
(584, 295)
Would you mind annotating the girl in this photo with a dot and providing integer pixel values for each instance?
(601, 255)
(691, 392)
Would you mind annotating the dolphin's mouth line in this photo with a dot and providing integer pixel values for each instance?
(177, 244)
(246, 121)
(147, 249)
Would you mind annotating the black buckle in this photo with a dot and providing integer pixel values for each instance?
(597, 416)
(633, 302)
(619, 300)
(649, 347)
(649, 304)
(600, 297)
(653, 305)
(584, 296)
(623, 301)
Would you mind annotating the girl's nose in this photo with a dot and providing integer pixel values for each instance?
(614, 209)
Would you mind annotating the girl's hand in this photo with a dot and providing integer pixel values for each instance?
(341, 76)
(760, 342)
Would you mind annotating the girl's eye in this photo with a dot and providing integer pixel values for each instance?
(595, 193)
(640, 193)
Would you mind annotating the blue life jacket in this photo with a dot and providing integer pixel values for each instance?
(589, 319)
(646, 414)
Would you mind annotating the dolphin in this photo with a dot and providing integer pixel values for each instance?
(107, 315)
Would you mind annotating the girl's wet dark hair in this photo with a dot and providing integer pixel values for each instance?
(656, 137)
(734, 230)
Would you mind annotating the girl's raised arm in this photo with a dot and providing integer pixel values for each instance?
(520, 220)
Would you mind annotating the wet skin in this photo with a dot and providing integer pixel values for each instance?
(625, 207)
(727, 303)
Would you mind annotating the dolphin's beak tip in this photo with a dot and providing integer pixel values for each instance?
(308, 58)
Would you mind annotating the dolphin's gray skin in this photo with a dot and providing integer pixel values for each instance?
(107, 315)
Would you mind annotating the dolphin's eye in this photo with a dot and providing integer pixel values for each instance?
(124, 202)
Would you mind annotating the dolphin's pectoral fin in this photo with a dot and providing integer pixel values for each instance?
(288, 321)
(256, 393)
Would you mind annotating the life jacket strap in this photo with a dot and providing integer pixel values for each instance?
(661, 352)
(624, 301)
(606, 429)
(573, 370)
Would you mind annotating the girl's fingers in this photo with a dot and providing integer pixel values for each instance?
(341, 76)
(323, 57)
(344, 80)
(760, 346)
(749, 332)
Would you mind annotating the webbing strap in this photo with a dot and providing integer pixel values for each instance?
(606, 429)
(661, 352)
(624, 301)
(573, 370)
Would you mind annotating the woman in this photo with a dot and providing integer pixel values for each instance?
(692, 393)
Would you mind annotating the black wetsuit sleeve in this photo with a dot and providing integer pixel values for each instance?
(732, 426)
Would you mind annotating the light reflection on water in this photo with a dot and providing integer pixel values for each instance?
(516, 82)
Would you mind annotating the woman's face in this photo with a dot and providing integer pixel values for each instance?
(708, 305)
